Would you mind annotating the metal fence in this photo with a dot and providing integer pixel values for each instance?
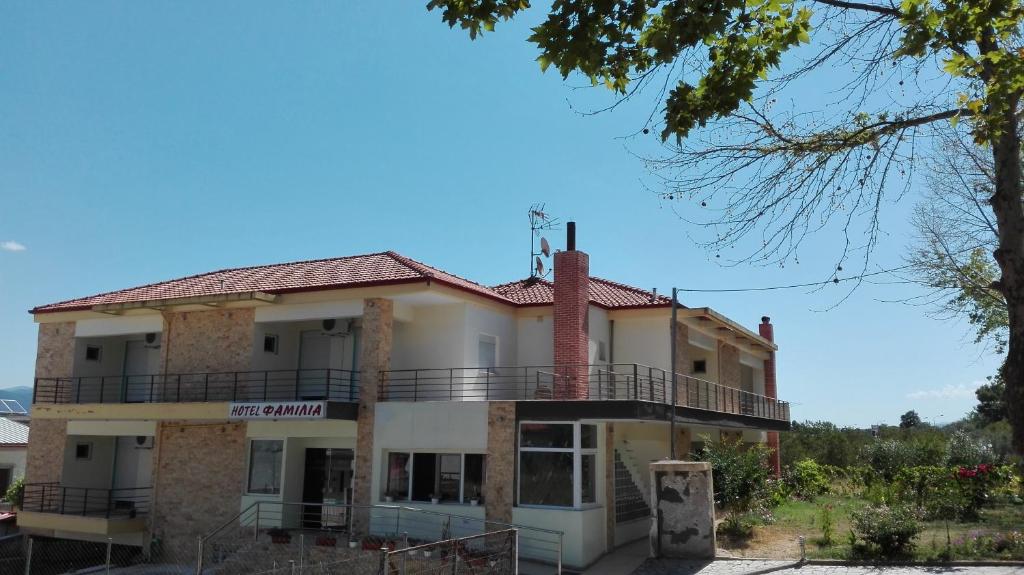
(627, 381)
(270, 535)
(241, 386)
(124, 503)
(34, 555)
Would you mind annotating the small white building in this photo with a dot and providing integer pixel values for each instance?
(13, 451)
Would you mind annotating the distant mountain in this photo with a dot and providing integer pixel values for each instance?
(23, 394)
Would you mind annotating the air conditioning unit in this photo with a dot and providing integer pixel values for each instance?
(143, 442)
(336, 328)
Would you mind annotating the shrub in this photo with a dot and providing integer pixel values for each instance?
(807, 479)
(889, 529)
(14, 491)
(741, 475)
(965, 451)
(827, 526)
(1003, 545)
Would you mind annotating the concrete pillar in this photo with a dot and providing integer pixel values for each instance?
(609, 485)
(684, 510)
(374, 359)
(767, 331)
(501, 461)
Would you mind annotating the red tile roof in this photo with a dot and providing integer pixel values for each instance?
(603, 293)
(385, 268)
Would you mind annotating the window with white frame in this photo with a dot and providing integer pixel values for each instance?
(557, 464)
(447, 477)
(487, 353)
(265, 458)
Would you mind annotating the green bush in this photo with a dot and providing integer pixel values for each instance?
(807, 480)
(15, 491)
(741, 475)
(963, 450)
(889, 530)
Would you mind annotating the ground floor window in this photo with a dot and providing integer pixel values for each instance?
(557, 464)
(423, 476)
(265, 458)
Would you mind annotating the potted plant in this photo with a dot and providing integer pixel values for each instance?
(475, 499)
(353, 543)
(434, 499)
(280, 536)
(389, 497)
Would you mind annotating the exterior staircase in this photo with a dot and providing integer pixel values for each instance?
(630, 502)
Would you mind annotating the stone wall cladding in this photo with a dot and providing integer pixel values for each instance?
(375, 357)
(685, 394)
(207, 341)
(45, 459)
(501, 461)
(199, 478)
(729, 376)
(571, 324)
(55, 357)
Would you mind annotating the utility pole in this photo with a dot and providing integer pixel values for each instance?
(672, 362)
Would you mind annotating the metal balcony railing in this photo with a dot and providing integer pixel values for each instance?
(237, 386)
(122, 503)
(601, 382)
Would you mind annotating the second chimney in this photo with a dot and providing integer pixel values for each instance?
(571, 325)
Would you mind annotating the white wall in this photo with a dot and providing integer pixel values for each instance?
(597, 319)
(133, 463)
(95, 472)
(643, 340)
(13, 458)
(433, 339)
(489, 321)
(289, 336)
(535, 338)
(584, 540)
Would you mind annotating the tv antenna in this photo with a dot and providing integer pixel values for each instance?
(539, 222)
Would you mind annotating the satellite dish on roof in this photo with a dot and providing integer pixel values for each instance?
(545, 247)
(540, 266)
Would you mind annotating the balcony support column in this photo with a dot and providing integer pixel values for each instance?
(375, 360)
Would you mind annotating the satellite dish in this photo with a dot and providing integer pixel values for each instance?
(545, 247)
(328, 324)
(540, 266)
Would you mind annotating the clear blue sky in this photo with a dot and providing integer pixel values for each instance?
(145, 141)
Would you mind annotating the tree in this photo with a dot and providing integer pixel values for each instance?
(991, 406)
(910, 419)
(748, 169)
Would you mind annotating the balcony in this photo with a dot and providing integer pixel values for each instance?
(240, 386)
(618, 382)
(84, 509)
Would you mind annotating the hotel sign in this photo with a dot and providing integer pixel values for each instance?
(278, 410)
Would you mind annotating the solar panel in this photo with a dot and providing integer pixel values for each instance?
(11, 407)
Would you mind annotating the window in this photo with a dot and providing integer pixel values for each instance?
(270, 343)
(265, 456)
(700, 366)
(557, 464)
(487, 353)
(83, 451)
(94, 353)
(602, 351)
(448, 477)
(398, 477)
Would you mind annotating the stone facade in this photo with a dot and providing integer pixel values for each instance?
(501, 461)
(685, 394)
(684, 525)
(375, 357)
(45, 459)
(571, 324)
(199, 478)
(729, 376)
(55, 357)
(207, 341)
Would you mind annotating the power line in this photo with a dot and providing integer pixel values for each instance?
(803, 285)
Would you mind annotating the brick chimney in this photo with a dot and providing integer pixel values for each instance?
(571, 327)
(767, 331)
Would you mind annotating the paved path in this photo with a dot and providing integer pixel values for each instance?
(729, 567)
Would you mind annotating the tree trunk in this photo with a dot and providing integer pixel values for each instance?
(1009, 212)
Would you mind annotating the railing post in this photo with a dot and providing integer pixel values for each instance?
(559, 565)
(28, 557)
(455, 556)
(206, 387)
(515, 551)
(110, 545)
(383, 569)
(78, 390)
(636, 382)
(302, 552)
(85, 500)
(199, 555)
(451, 382)
(415, 384)
(487, 384)
(298, 382)
(256, 527)
(265, 385)
(110, 502)
(234, 388)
